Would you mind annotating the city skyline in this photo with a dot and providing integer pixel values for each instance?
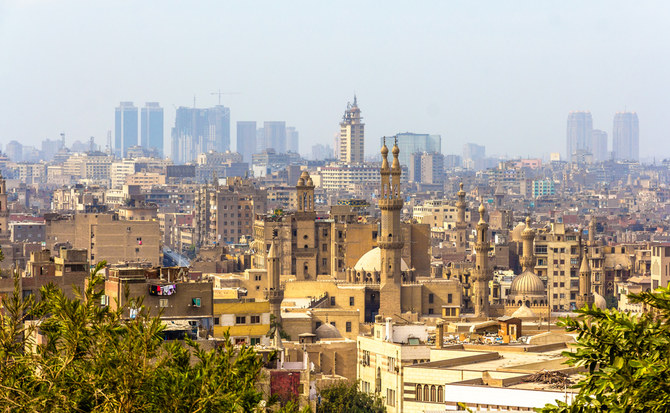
(523, 101)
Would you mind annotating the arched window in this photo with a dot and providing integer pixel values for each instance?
(440, 394)
(418, 392)
(433, 393)
(426, 392)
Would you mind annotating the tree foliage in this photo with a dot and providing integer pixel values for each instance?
(94, 360)
(626, 357)
(345, 397)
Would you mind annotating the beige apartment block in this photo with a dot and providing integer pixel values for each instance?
(352, 135)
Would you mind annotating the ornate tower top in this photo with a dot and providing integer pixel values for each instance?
(482, 213)
(528, 237)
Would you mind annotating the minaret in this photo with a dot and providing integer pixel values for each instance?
(274, 293)
(480, 274)
(585, 296)
(305, 239)
(528, 258)
(305, 193)
(461, 225)
(592, 232)
(4, 212)
(390, 240)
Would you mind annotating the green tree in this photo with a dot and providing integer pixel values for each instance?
(626, 357)
(94, 360)
(345, 397)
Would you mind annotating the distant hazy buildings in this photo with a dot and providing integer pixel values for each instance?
(426, 167)
(152, 127)
(275, 135)
(200, 130)
(473, 156)
(125, 128)
(411, 143)
(14, 150)
(579, 133)
(321, 152)
(352, 135)
(246, 139)
(599, 145)
(626, 136)
(292, 140)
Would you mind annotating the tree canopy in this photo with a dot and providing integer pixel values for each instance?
(626, 357)
(345, 397)
(94, 360)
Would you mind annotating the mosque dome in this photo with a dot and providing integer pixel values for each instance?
(301, 182)
(326, 331)
(385, 150)
(371, 261)
(599, 301)
(524, 312)
(527, 283)
(310, 182)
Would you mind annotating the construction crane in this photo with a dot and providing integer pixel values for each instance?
(219, 93)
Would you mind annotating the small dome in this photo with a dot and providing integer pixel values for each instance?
(301, 182)
(371, 261)
(326, 331)
(461, 192)
(304, 174)
(599, 301)
(310, 182)
(385, 150)
(395, 149)
(482, 209)
(523, 312)
(527, 283)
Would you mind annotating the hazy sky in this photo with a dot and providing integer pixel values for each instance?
(500, 73)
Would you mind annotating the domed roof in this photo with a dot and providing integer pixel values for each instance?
(527, 283)
(327, 330)
(371, 261)
(385, 149)
(599, 301)
(523, 312)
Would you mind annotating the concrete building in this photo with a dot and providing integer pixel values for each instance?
(274, 135)
(660, 265)
(411, 143)
(352, 135)
(200, 130)
(246, 139)
(599, 145)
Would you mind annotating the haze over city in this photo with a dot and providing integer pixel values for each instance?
(504, 75)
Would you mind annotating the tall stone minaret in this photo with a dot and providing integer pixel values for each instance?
(528, 258)
(305, 249)
(585, 296)
(390, 239)
(592, 232)
(461, 225)
(274, 293)
(4, 211)
(481, 274)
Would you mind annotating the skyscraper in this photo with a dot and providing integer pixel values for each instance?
(599, 145)
(275, 135)
(200, 130)
(626, 136)
(125, 128)
(246, 139)
(152, 127)
(352, 135)
(579, 132)
(410, 143)
(292, 139)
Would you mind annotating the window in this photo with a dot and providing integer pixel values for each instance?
(351, 301)
(216, 321)
(317, 325)
(430, 311)
(332, 301)
(324, 262)
(390, 397)
(324, 247)
(450, 298)
(348, 327)
(195, 302)
(255, 319)
(241, 320)
(419, 389)
(163, 302)
(390, 361)
(431, 298)
(540, 249)
(255, 341)
(258, 277)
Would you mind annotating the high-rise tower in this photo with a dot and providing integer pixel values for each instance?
(152, 127)
(125, 128)
(461, 225)
(352, 135)
(626, 136)
(481, 274)
(246, 139)
(390, 239)
(579, 133)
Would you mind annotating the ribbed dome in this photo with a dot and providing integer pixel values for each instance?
(371, 261)
(599, 301)
(327, 330)
(523, 312)
(527, 283)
